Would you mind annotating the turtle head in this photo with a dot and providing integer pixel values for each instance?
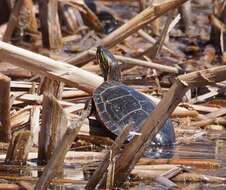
(108, 64)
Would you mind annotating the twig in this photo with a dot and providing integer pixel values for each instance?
(139, 62)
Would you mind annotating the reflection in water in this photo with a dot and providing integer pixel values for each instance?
(211, 147)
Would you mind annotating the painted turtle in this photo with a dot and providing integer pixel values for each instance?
(115, 104)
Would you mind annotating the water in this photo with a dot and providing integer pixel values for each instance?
(211, 146)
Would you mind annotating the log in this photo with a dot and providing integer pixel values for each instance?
(34, 179)
(50, 68)
(70, 75)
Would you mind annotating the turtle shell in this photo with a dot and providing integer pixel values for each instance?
(118, 104)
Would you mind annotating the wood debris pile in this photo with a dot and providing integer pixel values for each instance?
(173, 51)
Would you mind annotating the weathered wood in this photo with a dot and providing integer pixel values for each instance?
(5, 123)
(53, 87)
(100, 172)
(5, 186)
(152, 40)
(59, 153)
(135, 149)
(195, 177)
(50, 26)
(34, 179)
(139, 62)
(20, 117)
(89, 17)
(136, 23)
(50, 68)
(34, 123)
(19, 147)
(54, 124)
(71, 17)
(25, 185)
(219, 12)
(186, 15)
(13, 20)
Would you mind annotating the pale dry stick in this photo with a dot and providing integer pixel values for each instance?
(59, 153)
(48, 67)
(210, 118)
(154, 50)
(69, 74)
(165, 177)
(139, 62)
(34, 179)
(196, 177)
(153, 40)
(133, 25)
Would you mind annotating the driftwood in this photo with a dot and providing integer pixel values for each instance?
(54, 124)
(98, 174)
(133, 25)
(70, 75)
(5, 186)
(13, 20)
(60, 152)
(200, 164)
(132, 153)
(164, 179)
(185, 11)
(51, 32)
(195, 177)
(45, 66)
(152, 40)
(5, 126)
(19, 148)
(35, 179)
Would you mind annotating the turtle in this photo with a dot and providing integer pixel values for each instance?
(115, 104)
